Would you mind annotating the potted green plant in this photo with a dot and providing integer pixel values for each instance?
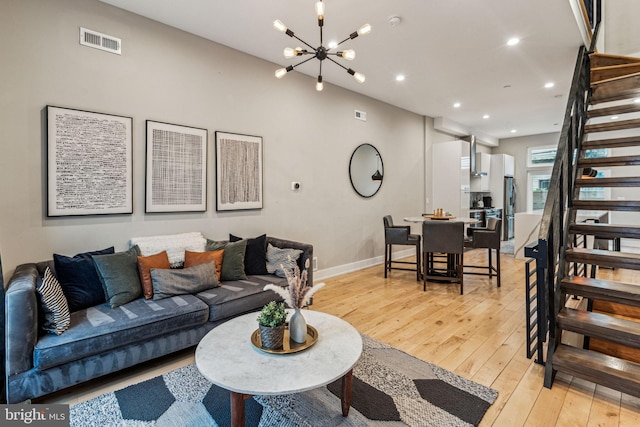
(271, 321)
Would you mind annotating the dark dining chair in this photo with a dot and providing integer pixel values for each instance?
(486, 237)
(447, 239)
(399, 235)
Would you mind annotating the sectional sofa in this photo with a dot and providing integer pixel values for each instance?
(101, 339)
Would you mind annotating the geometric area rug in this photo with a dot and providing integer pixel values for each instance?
(390, 388)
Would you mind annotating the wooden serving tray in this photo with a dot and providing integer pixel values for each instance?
(439, 218)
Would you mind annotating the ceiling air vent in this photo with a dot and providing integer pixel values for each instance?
(100, 41)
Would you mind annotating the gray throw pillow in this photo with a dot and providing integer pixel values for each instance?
(279, 260)
(119, 276)
(233, 261)
(190, 280)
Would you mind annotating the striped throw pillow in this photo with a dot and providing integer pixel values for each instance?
(54, 304)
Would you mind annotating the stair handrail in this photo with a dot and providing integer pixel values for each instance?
(550, 247)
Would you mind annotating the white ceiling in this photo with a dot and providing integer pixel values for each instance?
(449, 50)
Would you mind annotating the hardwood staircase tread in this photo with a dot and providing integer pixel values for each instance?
(612, 372)
(607, 205)
(605, 290)
(605, 59)
(609, 161)
(606, 231)
(616, 110)
(630, 141)
(604, 258)
(588, 323)
(630, 181)
(609, 71)
(615, 89)
(613, 125)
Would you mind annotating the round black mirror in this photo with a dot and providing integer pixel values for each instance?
(366, 170)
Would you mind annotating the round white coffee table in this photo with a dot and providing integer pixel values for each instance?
(226, 357)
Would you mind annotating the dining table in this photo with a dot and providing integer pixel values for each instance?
(451, 259)
(429, 217)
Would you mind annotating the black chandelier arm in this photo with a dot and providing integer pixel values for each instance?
(337, 63)
(351, 37)
(299, 39)
(301, 62)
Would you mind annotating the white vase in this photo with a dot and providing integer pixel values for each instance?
(298, 327)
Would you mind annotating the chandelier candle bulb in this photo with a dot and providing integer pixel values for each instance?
(319, 84)
(365, 29)
(349, 54)
(278, 25)
(290, 52)
(320, 10)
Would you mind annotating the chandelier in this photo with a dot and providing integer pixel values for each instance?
(320, 53)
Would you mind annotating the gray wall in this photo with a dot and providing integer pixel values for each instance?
(168, 75)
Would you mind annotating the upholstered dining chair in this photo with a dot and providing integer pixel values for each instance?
(486, 237)
(443, 237)
(399, 235)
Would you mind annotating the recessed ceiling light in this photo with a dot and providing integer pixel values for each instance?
(486, 116)
(400, 77)
(332, 44)
(513, 41)
(513, 131)
(637, 100)
(614, 117)
(456, 105)
(549, 85)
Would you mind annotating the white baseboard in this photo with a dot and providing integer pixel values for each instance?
(338, 270)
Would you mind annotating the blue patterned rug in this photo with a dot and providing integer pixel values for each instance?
(390, 388)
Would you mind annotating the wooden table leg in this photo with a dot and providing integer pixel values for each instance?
(237, 409)
(347, 381)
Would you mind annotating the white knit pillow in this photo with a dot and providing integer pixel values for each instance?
(279, 260)
(174, 244)
(54, 304)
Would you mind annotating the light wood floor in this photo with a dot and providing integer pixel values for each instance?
(479, 335)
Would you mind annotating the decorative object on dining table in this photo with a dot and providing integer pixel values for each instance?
(439, 214)
(297, 295)
(271, 323)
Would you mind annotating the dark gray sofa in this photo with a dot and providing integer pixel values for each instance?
(102, 340)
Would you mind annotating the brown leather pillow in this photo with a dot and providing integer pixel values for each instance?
(145, 264)
(196, 258)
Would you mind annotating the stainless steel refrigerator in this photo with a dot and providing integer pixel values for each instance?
(509, 206)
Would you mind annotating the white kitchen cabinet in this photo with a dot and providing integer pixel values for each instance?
(482, 183)
(451, 181)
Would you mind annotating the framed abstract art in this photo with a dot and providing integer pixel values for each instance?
(238, 171)
(176, 175)
(89, 163)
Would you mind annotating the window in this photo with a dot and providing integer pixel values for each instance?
(538, 188)
(541, 156)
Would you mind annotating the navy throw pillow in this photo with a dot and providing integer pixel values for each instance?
(79, 279)
(255, 257)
